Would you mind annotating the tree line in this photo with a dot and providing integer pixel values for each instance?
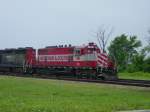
(127, 52)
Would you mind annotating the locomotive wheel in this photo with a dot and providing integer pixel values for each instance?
(106, 76)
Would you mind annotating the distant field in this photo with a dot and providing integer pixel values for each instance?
(40, 95)
(136, 75)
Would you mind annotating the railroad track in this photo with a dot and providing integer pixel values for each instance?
(127, 82)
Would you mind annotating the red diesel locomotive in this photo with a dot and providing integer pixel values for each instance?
(85, 61)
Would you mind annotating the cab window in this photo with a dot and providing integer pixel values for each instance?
(77, 52)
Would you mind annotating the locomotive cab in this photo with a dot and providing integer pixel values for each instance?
(85, 56)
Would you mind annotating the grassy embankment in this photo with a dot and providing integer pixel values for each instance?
(135, 75)
(41, 95)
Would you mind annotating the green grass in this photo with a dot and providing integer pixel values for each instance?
(135, 75)
(40, 95)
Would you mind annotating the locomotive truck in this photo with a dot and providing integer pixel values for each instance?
(86, 61)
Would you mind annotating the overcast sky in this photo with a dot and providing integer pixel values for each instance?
(40, 23)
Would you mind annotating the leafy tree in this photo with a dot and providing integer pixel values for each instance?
(122, 49)
(147, 48)
(137, 62)
(147, 65)
(146, 52)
